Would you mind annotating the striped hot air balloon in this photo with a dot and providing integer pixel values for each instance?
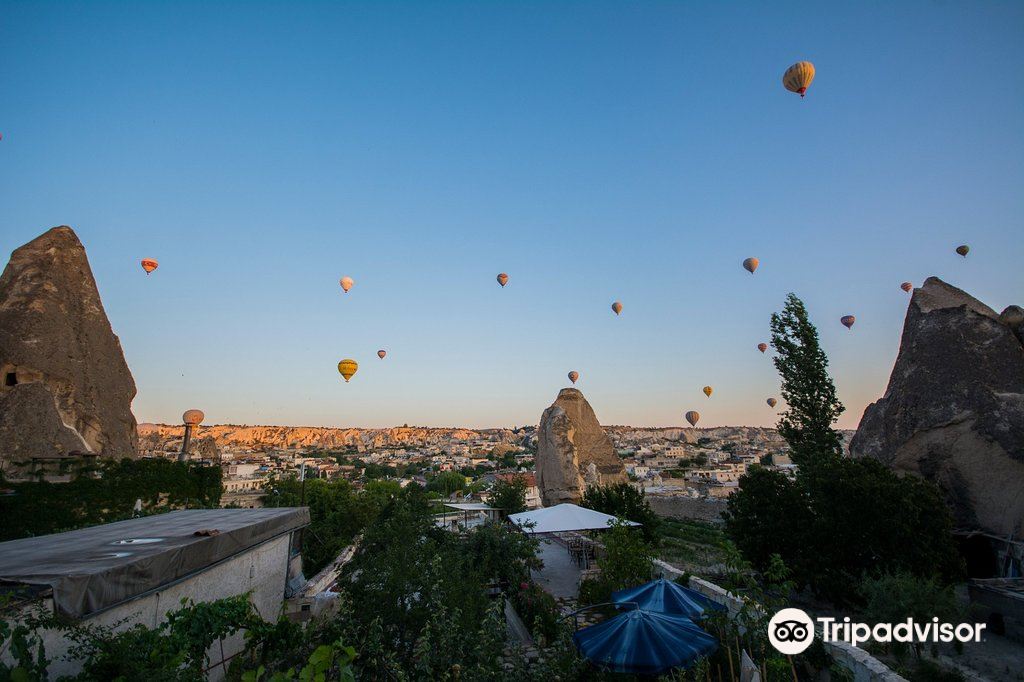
(693, 417)
(798, 77)
(616, 307)
(347, 368)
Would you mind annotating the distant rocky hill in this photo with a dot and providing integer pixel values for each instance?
(280, 437)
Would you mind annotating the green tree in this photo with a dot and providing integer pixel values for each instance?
(894, 597)
(840, 519)
(626, 502)
(811, 403)
(626, 561)
(447, 482)
(510, 496)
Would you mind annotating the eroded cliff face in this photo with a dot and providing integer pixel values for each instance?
(55, 336)
(954, 408)
(573, 451)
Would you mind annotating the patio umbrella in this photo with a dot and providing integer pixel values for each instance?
(644, 643)
(665, 596)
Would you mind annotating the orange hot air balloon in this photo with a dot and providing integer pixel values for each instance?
(750, 264)
(907, 286)
(502, 279)
(693, 417)
(798, 77)
(848, 321)
(708, 390)
(381, 353)
(617, 307)
(347, 368)
(762, 347)
(573, 376)
(772, 402)
(149, 265)
(963, 249)
(346, 283)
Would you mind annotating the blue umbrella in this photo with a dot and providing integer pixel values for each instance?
(644, 643)
(665, 596)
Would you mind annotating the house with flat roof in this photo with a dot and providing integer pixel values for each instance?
(137, 571)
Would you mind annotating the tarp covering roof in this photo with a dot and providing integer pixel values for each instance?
(665, 596)
(644, 643)
(92, 569)
(563, 518)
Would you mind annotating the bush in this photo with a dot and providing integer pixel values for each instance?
(625, 502)
(106, 493)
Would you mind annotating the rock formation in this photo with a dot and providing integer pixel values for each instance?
(573, 451)
(64, 383)
(954, 408)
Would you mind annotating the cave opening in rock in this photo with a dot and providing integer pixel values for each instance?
(11, 379)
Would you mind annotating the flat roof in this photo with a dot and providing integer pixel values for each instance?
(469, 506)
(95, 568)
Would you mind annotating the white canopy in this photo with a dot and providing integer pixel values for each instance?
(563, 518)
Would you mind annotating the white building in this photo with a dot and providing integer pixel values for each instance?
(136, 572)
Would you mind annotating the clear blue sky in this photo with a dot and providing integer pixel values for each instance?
(593, 150)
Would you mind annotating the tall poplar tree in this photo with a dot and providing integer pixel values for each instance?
(811, 403)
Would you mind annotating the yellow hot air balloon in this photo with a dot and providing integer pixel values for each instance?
(708, 390)
(149, 265)
(573, 376)
(502, 279)
(346, 283)
(750, 264)
(762, 347)
(798, 77)
(347, 368)
(772, 402)
(963, 249)
(381, 353)
(617, 307)
(693, 417)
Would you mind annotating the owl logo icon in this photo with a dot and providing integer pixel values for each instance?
(791, 631)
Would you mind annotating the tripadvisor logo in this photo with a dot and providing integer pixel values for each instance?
(791, 631)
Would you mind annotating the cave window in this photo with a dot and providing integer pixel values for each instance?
(11, 379)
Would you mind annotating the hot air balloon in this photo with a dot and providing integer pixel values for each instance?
(502, 279)
(762, 347)
(750, 264)
(347, 368)
(149, 265)
(772, 402)
(848, 321)
(193, 417)
(907, 286)
(693, 417)
(573, 376)
(708, 390)
(346, 283)
(381, 353)
(963, 249)
(617, 307)
(798, 77)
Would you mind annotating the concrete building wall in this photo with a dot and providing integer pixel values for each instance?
(261, 570)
